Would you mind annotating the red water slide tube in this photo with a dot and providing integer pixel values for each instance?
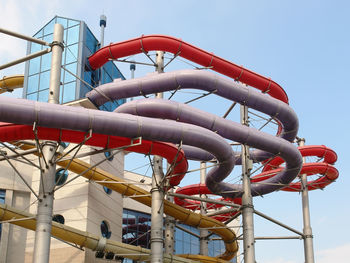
(13, 132)
(190, 52)
(325, 168)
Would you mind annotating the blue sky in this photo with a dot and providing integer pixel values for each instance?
(302, 45)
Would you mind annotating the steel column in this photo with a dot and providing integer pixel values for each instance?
(157, 191)
(247, 200)
(307, 231)
(45, 204)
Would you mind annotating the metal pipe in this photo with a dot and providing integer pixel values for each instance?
(28, 57)
(278, 223)
(222, 211)
(203, 244)
(208, 200)
(45, 205)
(247, 200)
(307, 230)
(157, 191)
(28, 38)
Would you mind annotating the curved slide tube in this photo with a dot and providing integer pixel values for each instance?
(228, 129)
(190, 52)
(85, 239)
(326, 169)
(8, 84)
(79, 119)
(207, 81)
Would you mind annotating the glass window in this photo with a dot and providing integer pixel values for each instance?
(71, 54)
(73, 35)
(44, 80)
(48, 29)
(91, 41)
(58, 218)
(109, 155)
(136, 228)
(39, 34)
(46, 62)
(48, 38)
(43, 95)
(68, 92)
(72, 22)
(83, 90)
(61, 176)
(35, 47)
(105, 229)
(34, 66)
(62, 21)
(33, 96)
(33, 83)
(107, 190)
(68, 77)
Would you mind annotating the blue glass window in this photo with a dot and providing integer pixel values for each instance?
(33, 83)
(48, 29)
(61, 176)
(34, 66)
(46, 62)
(68, 77)
(68, 92)
(62, 21)
(39, 34)
(109, 155)
(105, 229)
(91, 41)
(43, 95)
(33, 96)
(44, 80)
(72, 22)
(35, 47)
(73, 35)
(71, 53)
(48, 38)
(107, 190)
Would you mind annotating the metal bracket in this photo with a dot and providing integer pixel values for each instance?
(101, 244)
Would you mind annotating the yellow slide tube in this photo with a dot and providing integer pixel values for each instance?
(10, 83)
(183, 215)
(82, 238)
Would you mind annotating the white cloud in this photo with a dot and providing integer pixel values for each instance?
(340, 254)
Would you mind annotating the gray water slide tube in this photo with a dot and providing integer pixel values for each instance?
(21, 111)
(203, 80)
(269, 145)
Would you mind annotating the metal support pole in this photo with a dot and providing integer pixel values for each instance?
(169, 230)
(203, 245)
(307, 231)
(247, 200)
(45, 204)
(157, 192)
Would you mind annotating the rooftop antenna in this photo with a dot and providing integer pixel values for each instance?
(103, 24)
